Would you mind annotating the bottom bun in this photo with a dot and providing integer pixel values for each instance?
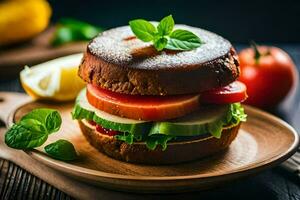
(176, 152)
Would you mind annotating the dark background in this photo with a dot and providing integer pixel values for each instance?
(239, 21)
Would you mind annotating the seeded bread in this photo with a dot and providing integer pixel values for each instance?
(117, 61)
(176, 152)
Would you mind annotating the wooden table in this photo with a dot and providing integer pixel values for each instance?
(15, 183)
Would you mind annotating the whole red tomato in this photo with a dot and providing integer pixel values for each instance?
(269, 74)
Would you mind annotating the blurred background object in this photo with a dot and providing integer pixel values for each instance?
(54, 80)
(22, 20)
(71, 30)
(26, 38)
(269, 74)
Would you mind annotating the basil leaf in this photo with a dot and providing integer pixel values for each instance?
(33, 125)
(21, 137)
(163, 37)
(61, 150)
(143, 29)
(33, 129)
(166, 25)
(183, 40)
(49, 118)
(160, 43)
(53, 122)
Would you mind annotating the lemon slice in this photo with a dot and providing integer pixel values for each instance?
(54, 80)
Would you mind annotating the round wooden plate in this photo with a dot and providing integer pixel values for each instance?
(263, 142)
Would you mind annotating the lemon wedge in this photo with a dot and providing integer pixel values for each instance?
(53, 80)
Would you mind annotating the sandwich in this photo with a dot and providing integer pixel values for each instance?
(149, 105)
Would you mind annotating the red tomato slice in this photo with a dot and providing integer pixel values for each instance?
(154, 108)
(232, 93)
(157, 108)
(106, 131)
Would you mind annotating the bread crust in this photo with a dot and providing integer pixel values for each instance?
(176, 152)
(216, 73)
(132, 67)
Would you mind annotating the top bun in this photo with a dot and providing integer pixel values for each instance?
(118, 61)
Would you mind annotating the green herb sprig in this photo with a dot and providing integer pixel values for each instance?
(33, 130)
(71, 30)
(163, 36)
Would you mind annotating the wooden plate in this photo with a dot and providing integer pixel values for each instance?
(263, 142)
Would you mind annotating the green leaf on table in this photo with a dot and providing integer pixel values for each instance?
(49, 118)
(33, 129)
(21, 137)
(61, 150)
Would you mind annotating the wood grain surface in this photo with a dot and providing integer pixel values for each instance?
(263, 142)
(16, 183)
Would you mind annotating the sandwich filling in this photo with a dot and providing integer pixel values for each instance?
(156, 120)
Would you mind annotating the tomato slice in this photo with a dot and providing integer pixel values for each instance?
(232, 93)
(154, 108)
(106, 131)
(157, 108)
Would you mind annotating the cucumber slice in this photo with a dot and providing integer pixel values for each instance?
(197, 123)
(206, 120)
(83, 110)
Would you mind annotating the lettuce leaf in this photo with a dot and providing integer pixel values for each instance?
(151, 141)
(126, 137)
(215, 129)
(236, 114)
(159, 139)
(233, 117)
